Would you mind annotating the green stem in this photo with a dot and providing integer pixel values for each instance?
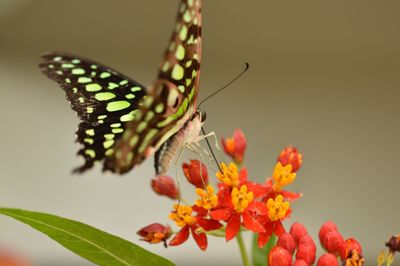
(242, 248)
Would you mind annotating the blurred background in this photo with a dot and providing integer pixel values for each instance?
(324, 76)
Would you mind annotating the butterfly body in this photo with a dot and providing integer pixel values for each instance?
(123, 122)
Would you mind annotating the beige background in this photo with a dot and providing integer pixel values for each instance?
(324, 76)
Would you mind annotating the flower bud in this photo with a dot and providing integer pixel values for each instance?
(297, 230)
(299, 262)
(287, 242)
(348, 247)
(306, 250)
(332, 241)
(327, 227)
(328, 259)
(155, 233)
(196, 173)
(279, 257)
(235, 147)
(394, 244)
(165, 186)
(290, 155)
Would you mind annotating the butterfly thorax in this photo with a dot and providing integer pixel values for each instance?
(185, 136)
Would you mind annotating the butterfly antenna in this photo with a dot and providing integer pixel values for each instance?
(212, 152)
(229, 83)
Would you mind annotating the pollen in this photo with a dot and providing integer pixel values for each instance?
(283, 176)
(182, 215)
(241, 198)
(229, 175)
(208, 199)
(277, 208)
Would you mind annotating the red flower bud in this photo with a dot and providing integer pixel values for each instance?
(165, 186)
(332, 241)
(328, 259)
(306, 250)
(300, 263)
(155, 233)
(297, 230)
(327, 227)
(348, 246)
(235, 147)
(287, 242)
(279, 257)
(196, 173)
(290, 155)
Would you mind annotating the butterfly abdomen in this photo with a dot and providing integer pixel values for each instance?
(185, 136)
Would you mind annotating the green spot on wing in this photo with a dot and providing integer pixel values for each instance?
(93, 87)
(78, 71)
(117, 106)
(105, 75)
(112, 85)
(104, 96)
(84, 80)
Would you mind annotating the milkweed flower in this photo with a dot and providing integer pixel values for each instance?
(237, 205)
(349, 247)
(291, 155)
(229, 175)
(298, 230)
(328, 259)
(196, 225)
(165, 186)
(155, 233)
(278, 209)
(235, 146)
(287, 242)
(196, 173)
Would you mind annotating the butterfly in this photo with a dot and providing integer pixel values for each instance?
(122, 121)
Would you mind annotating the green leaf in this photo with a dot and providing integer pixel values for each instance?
(260, 255)
(88, 242)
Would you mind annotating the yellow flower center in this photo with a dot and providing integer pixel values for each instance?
(241, 198)
(229, 175)
(208, 199)
(277, 208)
(355, 260)
(182, 215)
(283, 176)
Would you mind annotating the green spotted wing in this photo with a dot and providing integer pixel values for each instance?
(172, 100)
(104, 100)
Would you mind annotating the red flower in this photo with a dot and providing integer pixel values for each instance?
(235, 147)
(196, 173)
(155, 233)
(279, 257)
(332, 241)
(290, 155)
(165, 186)
(237, 205)
(394, 244)
(297, 230)
(287, 242)
(327, 227)
(278, 210)
(10, 259)
(348, 247)
(197, 225)
(328, 259)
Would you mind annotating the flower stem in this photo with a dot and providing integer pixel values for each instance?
(242, 248)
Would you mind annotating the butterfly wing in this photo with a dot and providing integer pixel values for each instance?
(172, 99)
(104, 100)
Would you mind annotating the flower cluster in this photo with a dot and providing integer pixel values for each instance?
(393, 246)
(233, 204)
(299, 245)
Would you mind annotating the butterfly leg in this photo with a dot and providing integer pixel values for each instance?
(194, 149)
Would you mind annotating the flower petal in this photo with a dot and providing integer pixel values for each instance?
(243, 175)
(291, 196)
(251, 223)
(279, 229)
(208, 224)
(221, 214)
(180, 237)
(232, 227)
(200, 238)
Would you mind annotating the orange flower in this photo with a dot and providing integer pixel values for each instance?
(290, 155)
(235, 147)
